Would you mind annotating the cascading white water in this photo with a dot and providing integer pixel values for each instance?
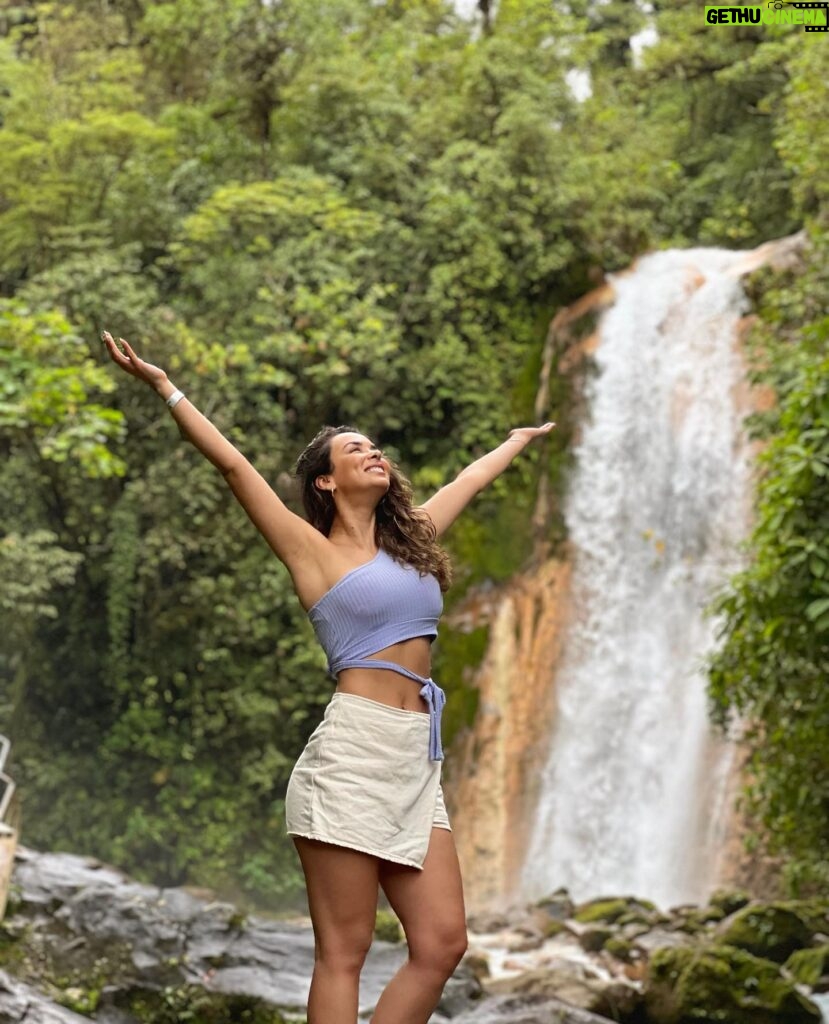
(633, 791)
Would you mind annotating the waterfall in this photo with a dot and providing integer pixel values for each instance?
(632, 797)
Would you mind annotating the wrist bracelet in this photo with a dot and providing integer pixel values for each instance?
(174, 399)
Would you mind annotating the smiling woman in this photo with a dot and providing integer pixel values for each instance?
(364, 804)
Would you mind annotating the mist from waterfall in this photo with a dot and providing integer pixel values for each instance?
(633, 793)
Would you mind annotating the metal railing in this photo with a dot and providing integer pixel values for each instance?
(5, 781)
(8, 833)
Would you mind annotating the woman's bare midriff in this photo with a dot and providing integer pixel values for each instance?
(387, 686)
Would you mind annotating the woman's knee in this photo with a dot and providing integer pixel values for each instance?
(343, 949)
(440, 949)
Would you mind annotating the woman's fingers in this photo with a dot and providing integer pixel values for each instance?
(124, 361)
(130, 361)
(112, 348)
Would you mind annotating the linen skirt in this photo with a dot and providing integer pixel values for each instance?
(365, 780)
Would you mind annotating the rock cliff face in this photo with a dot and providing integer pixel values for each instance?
(497, 764)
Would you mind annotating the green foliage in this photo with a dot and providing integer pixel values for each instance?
(48, 380)
(772, 667)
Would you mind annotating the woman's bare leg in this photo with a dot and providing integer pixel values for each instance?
(429, 903)
(342, 889)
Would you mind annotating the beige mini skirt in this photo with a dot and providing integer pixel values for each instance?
(365, 780)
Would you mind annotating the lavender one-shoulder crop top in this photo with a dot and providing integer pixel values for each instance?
(373, 606)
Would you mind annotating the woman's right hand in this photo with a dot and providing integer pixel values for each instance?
(150, 374)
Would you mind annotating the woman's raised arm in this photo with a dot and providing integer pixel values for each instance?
(290, 536)
(446, 505)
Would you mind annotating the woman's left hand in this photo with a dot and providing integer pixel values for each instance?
(526, 434)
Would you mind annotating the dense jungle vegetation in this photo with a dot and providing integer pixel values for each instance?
(328, 211)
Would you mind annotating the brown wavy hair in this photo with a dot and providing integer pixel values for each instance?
(404, 532)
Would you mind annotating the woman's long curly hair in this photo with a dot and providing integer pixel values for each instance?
(404, 532)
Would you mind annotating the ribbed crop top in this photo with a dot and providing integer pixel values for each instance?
(373, 606)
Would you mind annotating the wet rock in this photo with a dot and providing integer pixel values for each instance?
(722, 983)
(521, 942)
(694, 920)
(463, 988)
(611, 910)
(592, 940)
(484, 923)
(772, 930)
(554, 927)
(526, 931)
(557, 905)
(573, 984)
(619, 948)
(518, 1009)
(659, 938)
(98, 924)
(729, 900)
(21, 1004)
(477, 963)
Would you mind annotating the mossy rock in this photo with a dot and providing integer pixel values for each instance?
(729, 901)
(770, 930)
(592, 940)
(11, 949)
(610, 910)
(621, 949)
(639, 917)
(808, 966)
(173, 1005)
(81, 1000)
(813, 912)
(722, 983)
(697, 919)
(557, 904)
(553, 927)
(387, 927)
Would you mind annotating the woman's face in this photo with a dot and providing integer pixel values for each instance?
(357, 466)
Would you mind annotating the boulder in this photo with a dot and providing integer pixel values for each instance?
(611, 910)
(729, 900)
(462, 989)
(719, 982)
(694, 920)
(575, 985)
(21, 1004)
(619, 948)
(557, 905)
(592, 940)
(520, 1009)
(770, 930)
(477, 963)
(810, 967)
(487, 922)
(659, 938)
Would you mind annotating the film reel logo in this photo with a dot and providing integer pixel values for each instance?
(807, 5)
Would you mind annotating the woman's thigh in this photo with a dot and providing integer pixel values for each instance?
(429, 902)
(343, 888)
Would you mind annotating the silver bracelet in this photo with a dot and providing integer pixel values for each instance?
(174, 399)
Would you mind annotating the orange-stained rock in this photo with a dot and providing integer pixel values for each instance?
(493, 775)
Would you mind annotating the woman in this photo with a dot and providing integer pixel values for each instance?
(364, 804)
